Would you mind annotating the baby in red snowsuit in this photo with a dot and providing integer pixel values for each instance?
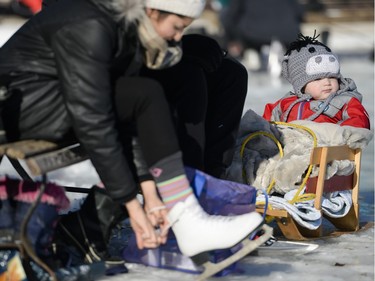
(321, 93)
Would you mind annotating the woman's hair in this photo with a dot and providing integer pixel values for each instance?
(164, 14)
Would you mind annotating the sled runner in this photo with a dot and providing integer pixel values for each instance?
(322, 156)
(40, 157)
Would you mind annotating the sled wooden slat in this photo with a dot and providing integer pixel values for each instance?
(327, 155)
(321, 157)
(274, 212)
(336, 183)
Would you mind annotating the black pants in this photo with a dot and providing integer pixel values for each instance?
(206, 110)
(143, 112)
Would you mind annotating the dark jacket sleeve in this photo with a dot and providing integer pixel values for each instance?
(83, 55)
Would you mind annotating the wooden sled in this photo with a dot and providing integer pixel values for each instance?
(40, 157)
(322, 156)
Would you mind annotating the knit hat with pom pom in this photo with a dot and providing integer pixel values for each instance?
(306, 60)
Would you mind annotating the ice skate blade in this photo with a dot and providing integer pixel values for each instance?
(248, 246)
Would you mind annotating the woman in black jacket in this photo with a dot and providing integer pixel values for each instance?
(73, 71)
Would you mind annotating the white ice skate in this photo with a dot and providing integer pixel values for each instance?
(197, 233)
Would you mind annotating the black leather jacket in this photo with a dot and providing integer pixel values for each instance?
(60, 67)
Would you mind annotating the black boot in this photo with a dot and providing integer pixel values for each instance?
(6, 215)
(87, 231)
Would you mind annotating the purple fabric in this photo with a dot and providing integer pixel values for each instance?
(221, 197)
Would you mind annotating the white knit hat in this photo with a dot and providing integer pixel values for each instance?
(188, 8)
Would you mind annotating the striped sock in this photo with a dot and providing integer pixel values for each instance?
(170, 178)
(174, 190)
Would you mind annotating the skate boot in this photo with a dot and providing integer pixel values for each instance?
(198, 232)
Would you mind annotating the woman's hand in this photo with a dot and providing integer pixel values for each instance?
(155, 209)
(145, 234)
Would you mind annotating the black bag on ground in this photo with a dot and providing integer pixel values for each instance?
(87, 231)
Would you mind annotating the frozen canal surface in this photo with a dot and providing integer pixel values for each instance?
(348, 257)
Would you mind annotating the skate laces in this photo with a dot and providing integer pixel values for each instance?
(158, 229)
(158, 208)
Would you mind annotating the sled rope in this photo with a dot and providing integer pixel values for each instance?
(297, 197)
(308, 196)
(267, 206)
(250, 137)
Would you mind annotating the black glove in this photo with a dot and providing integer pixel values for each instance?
(202, 50)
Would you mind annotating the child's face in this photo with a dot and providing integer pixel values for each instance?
(320, 89)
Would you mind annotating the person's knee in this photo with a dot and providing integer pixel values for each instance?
(235, 70)
(150, 89)
(138, 88)
(233, 78)
(135, 95)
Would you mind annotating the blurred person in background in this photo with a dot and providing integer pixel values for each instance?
(253, 24)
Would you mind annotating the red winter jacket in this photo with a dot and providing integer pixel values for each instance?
(345, 109)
